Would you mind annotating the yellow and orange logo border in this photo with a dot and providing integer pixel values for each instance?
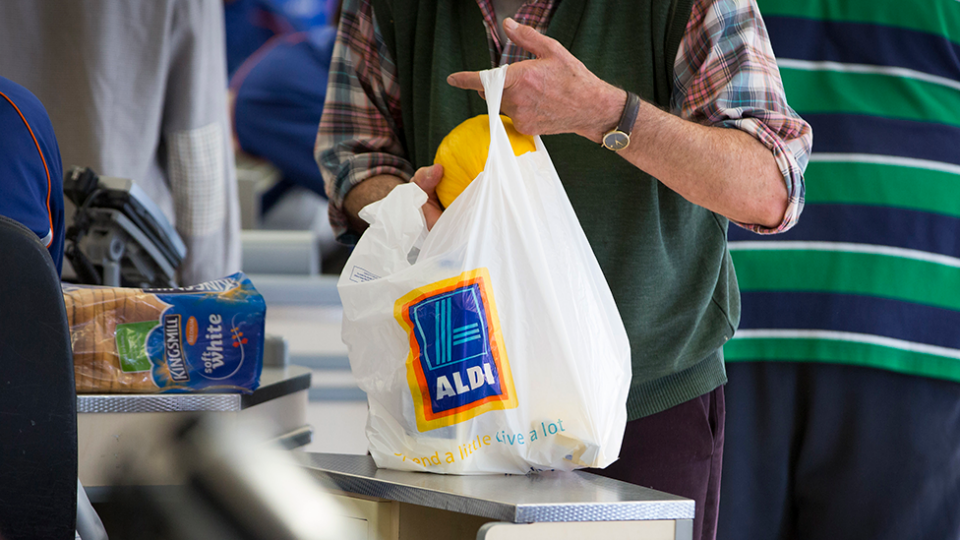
(426, 418)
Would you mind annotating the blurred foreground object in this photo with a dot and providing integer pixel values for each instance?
(38, 415)
(114, 428)
(234, 486)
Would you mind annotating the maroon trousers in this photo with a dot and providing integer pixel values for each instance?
(678, 451)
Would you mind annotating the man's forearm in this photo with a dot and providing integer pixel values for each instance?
(370, 190)
(724, 170)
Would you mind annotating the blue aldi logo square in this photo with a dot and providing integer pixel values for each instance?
(454, 340)
(457, 367)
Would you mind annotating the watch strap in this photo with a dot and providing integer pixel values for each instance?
(630, 111)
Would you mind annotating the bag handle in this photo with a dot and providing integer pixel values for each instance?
(493, 81)
(501, 151)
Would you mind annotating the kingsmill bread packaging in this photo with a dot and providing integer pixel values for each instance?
(206, 337)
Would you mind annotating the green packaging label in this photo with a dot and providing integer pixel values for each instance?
(132, 346)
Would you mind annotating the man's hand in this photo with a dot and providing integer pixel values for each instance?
(376, 188)
(555, 93)
(724, 170)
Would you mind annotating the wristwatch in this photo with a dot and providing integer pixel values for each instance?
(619, 137)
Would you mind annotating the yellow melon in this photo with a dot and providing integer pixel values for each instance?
(463, 153)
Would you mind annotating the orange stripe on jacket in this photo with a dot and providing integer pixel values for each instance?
(42, 159)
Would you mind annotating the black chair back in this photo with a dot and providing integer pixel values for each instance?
(38, 401)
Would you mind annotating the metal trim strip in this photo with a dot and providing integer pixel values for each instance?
(585, 496)
(158, 403)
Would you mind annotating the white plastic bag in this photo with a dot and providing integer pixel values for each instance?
(499, 349)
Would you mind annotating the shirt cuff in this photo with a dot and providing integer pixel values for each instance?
(355, 170)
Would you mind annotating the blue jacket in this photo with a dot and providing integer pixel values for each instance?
(31, 174)
(280, 93)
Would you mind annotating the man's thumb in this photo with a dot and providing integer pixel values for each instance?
(428, 177)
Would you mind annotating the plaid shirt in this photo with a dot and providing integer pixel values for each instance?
(725, 75)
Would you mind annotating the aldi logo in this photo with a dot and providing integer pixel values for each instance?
(457, 367)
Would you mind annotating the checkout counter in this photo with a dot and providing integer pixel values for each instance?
(116, 431)
(392, 505)
(383, 504)
(379, 503)
(388, 504)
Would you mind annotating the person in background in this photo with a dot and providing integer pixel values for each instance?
(251, 23)
(843, 403)
(711, 138)
(278, 96)
(137, 90)
(31, 182)
(31, 177)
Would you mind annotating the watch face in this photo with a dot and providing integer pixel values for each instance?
(616, 140)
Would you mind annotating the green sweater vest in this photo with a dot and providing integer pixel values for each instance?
(665, 259)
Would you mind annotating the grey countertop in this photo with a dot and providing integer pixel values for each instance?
(275, 382)
(549, 496)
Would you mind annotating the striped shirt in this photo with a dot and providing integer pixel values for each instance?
(872, 275)
(725, 75)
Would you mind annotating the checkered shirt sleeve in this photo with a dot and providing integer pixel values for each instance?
(359, 130)
(725, 75)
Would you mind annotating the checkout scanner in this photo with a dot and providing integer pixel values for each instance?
(118, 236)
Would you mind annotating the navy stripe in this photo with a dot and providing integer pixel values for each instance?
(860, 43)
(878, 225)
(864, 134)
(851, 313)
